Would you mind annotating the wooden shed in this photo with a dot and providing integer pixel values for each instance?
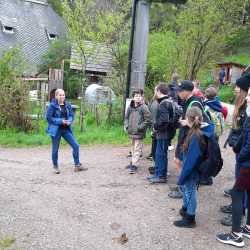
(233, 70)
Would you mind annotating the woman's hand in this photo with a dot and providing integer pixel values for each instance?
(183, 123)
(177, 164)
(66, 122)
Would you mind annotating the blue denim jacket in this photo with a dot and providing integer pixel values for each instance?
(54, 117)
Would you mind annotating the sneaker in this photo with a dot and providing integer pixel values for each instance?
(174, 188)
(188, 221)
(170, 148)
(227, 221)
(176, 194)
(151, 177)
(149, 157)
(57, 170)
(129, 154)
(230, 239)
(245, 232)
(206, 181)
(157, 180)
(79, 168)
(128, 166)
(132, 169)
(226, 209)
(228, 192)
(151, 170)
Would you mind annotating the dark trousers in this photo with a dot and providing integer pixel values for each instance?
(153, 147)
(161, 157)
(237, 205)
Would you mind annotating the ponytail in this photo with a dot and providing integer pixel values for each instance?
(194, 116)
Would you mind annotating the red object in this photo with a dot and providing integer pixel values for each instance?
(198, 93)
(224, 111)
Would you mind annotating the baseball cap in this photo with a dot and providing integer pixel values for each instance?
(185, 85)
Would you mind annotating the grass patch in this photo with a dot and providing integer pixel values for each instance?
(7, 242)
(226, 94)
(93, 135)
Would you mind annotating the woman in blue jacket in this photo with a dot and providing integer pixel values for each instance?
(241, 186)
(193, 151)
(60, 118)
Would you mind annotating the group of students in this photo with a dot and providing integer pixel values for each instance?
(200, 122)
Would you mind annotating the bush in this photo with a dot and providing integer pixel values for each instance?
(226, 94)
(14, 102)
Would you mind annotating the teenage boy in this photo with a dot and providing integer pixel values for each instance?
(137, 120)
(164, 134)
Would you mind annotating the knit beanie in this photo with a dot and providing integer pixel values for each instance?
(244, 82)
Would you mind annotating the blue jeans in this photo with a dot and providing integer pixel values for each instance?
(161, 157)
(67, 135)
(189, 190)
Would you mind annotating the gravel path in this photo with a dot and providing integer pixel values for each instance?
(89, 210)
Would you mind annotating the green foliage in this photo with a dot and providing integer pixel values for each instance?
(203, 28)
(7, 242)
(241, 58)
(226, 94)
(162, 56)
(57, 6)
(104, 134)
(14, 103)
(58, 49)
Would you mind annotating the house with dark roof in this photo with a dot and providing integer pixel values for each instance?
(32, 25)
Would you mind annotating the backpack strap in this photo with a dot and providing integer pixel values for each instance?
(203, 109)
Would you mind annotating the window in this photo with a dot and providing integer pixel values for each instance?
(51, 33)
(52, 36)
(8, 29)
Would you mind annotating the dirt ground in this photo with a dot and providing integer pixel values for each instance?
(90, 210)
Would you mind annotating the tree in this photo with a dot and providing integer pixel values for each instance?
(161, 56)
(96, 23)
(203, 28)
(14, 103)
(58, 50)
(57, 6)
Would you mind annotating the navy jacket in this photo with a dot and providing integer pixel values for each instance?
(243, 158)
(161, 125)
(194, 155)
(54, 117)
(214, 104)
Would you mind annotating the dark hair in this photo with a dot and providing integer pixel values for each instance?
(137, 91)
(194, 116)
(163, 88)
(211, 92)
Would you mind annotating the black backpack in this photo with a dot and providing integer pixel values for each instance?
(212, 161)
(175, 115)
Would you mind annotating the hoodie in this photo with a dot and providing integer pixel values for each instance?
(194, 155)
(214, 104)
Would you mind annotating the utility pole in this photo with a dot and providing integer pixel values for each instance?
(137, 61)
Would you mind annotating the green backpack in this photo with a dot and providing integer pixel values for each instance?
(217, 120)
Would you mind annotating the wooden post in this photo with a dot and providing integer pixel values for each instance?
(82, 127)
(97, 117)
(110, 106)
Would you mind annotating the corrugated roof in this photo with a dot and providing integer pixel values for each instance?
(31, 20)
(99, 58)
